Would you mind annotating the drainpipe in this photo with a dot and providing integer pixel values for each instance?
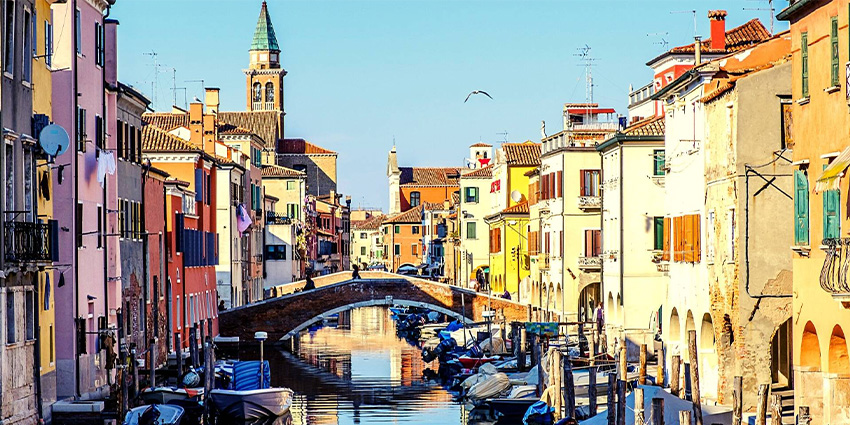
(622, 238)
(105, 212)
(76, 95)
(601, 226)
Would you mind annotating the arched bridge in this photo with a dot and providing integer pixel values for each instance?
(290, 312)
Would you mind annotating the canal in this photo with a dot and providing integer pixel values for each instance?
(362, 372)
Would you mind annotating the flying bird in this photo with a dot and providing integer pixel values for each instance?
(477, 92)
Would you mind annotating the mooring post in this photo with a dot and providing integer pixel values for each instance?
(152, 364)
(776, 409)
(659, 373)
(591, 390)
(695, 394)
(639, 416)
(178, 351)
(569, 387)
(674, 376)
(642, 369)
(612, 399)
(761, 407)
(684, 417)
(621, 386)
(657, 415)
(193, 353)
(737, 400)
(522, 349)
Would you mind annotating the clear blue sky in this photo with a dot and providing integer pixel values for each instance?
(363, 72)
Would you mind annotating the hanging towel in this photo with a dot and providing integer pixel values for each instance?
(105, 165)
(243, 220)
(44, 186)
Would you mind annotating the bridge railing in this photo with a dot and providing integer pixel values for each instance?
(324, 280)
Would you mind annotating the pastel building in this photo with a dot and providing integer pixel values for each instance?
(473, 249)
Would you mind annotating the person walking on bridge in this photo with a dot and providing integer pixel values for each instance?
(355, 275)
(309, 285)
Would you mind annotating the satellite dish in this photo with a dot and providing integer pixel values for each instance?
(516, 196)
(54, 140)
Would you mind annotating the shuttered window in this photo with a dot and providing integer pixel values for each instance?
(560, 183)
(658, 233)
(592, 243)
(801, 208)
(666, 254)
(833, 37)
(686, 238)
(804, 63)
(831, 208)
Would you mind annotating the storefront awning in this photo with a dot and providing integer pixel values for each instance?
(832, 174)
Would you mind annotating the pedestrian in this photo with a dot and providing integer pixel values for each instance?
(221, 305)
(309, 285)
(600, 319)
(356, 273)
(506, 295)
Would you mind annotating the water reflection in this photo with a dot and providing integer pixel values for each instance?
(361, 372)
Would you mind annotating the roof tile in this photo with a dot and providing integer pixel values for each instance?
(429, 176)
(481, 173)
(413, 215)
(737, 39)
(155, 139)
(301, 146)
(278, 171)
(526, 153)
(653, 126)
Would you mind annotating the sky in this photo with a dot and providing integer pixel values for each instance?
(365, 74)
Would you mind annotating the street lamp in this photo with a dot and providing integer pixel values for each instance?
(261, 336)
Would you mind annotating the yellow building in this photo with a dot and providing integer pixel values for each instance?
(509, 265)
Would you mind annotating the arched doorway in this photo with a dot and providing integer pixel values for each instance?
(838, 360)
(674, 330)
(810, 358)
(587, 300)
(781, 356)
(708, 356)
(609, 306)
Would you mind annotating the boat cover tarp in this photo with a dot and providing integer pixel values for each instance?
(538, 413)
(485, 371)
(494, 345)
(672, 405)
(246, 376)
(490, 387)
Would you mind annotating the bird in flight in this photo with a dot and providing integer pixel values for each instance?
(477, 92)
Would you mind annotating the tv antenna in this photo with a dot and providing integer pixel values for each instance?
(662, 39)
(693, 12)
(155, 83)
(203, 86)
(769, 8)
(504, 135)
(587, 62)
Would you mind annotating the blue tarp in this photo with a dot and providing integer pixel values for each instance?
(246, 376)
(538, 413)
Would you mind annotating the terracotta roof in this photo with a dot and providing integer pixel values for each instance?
(167, 120)
(268, 125)
(455, 198)
(439, 206)
(371, 223)
(278, 171)
(481, 173)
(520, 208)
(301, 146)
(763, 56)
(226, 128)
(737, 39)
(155, 139)
(413, 215)
(653, 126)
(429, 176)
(527, 153)
(481, 145)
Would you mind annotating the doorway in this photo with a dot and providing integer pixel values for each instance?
(781, 352)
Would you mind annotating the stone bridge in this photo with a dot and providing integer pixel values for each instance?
(292, 310)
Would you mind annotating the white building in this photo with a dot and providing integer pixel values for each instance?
(473, 231)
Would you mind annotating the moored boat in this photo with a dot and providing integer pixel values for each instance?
(252, 405)
(163, 395)
(154, 414)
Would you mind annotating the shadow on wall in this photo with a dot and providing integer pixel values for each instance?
(314, 173)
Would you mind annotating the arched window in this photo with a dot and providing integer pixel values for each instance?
(258, 92)
(269, 92)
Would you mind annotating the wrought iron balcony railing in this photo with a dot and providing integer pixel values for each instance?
(28, 242)
(833, 275)
(590, 263)
(274, 218)
(590, 202)
(543, 261)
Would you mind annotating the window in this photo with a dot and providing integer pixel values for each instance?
(81, 129)
(290, 185)
(276, 252)
(99, 50)
(27, 55)
(10, 177)
(589, 182)
(414, 249)
(9, 36)
(269, 92)
(178, 313)
(257, 92)
(414, 230)
(471, 230)
(11, 338)
(98, 131)
(292, 211)
(495, 240)
(79, 224)
(119, 139)
(686, 238)
(79, 32)
(48, 43)
(658, 236)
(29, 306)
(397, 249)
(362, 250)
(833, 37)
(801, 208)
(362, 235)
(592, 243)
(658, 162)
(396, 229)
(831, 208)
(29, 179)
(804, 62)
(414, 199)
(665, 256)
(99, 226)
(471, 194)
(787, 141)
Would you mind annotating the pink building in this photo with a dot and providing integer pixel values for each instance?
(88, 305)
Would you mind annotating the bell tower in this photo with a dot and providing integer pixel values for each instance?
(264, 73)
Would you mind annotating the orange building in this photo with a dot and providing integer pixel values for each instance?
(402, 235)
(411, 186)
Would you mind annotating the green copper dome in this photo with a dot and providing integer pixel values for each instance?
(264, 38)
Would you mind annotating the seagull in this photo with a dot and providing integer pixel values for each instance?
(477, 92)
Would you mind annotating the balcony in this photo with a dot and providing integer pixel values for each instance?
(590, 202)
(262, 106)
(543, 261)
(663, 267)
(590, 263)
(833, 275)
(275, 218)
(31, 242)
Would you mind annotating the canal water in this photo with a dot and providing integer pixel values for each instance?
(360, 372)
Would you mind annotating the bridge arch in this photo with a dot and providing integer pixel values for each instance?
(375, 303)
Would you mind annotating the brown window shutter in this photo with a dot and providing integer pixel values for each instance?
(697, 238)
(597, 240)
(560, 184)
(665, 255)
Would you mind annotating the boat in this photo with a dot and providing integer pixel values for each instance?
(154, 414)
(512, 407)
(250, 396)
(474, 362)
(163, 395)
(251, 405)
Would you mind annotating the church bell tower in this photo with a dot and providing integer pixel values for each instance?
(264, 73)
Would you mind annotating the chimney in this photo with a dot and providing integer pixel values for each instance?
(211, 100)
(717, 19)
(196, 124)
(697, 50)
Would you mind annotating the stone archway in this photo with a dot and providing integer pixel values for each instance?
(708, 357)
(810, 357)
(838, 360)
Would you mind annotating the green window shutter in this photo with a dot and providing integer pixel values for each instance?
(804, 62)
(801, 208)
(658, 162)
(834, 42)
(659, 233)
(474, 194)
(470, 230)
(831, 226)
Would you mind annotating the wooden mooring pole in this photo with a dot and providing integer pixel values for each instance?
(737, 400)
(695, 394)
(569, 387)
(591, 390)
(621, 386)
(761, 407)
(684, 417)
(639, 416)
(642, 369)
(674, 376)
(659, 373)
(657, 415)
(612, 397)
(776, 409)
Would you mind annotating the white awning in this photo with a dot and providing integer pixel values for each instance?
(832, 174)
